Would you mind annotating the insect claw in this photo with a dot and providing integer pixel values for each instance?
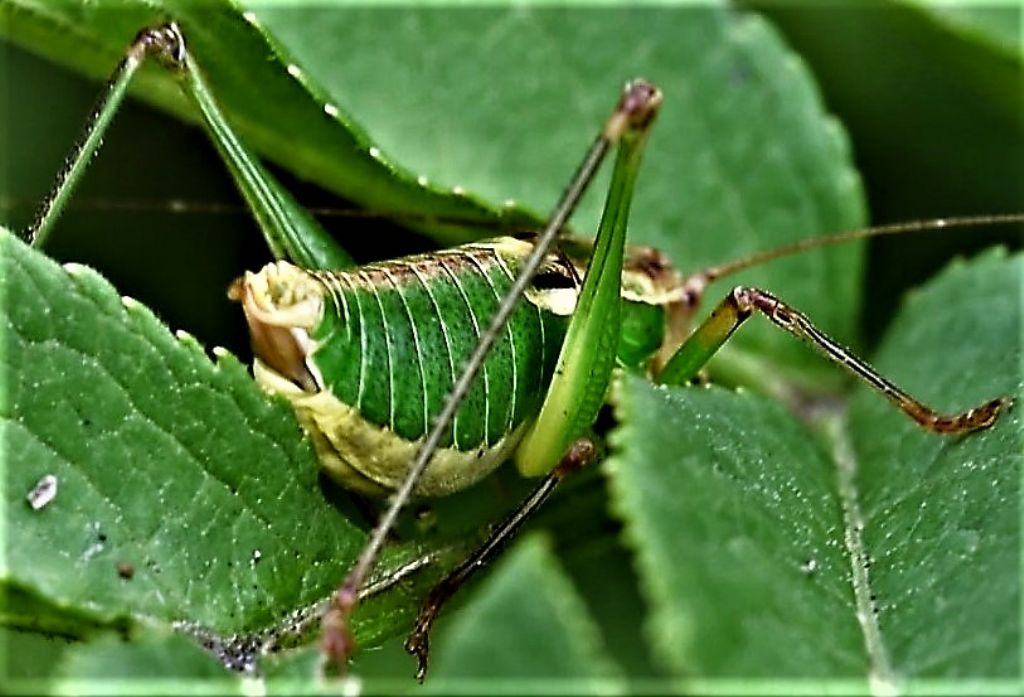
(418, 644)
(986, 415)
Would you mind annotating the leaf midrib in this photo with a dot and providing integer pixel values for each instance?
(834, 428)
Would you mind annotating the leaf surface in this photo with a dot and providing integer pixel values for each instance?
(524, 630)
(178, 482)
(157, 662)
(277, 108)
(930, 95)
(942, 514)
(749, 543)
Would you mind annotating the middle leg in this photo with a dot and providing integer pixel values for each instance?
(418, 643)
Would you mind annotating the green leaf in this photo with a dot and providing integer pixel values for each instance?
(298, 668)
(729, 505)
(942, 514)
(750, 549)
(282, 115)
(524, 630)
(930, 94)
(29, 659)
(993, 24)
(157, 662)
(178, 482)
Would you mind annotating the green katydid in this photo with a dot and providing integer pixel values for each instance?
(298, 249)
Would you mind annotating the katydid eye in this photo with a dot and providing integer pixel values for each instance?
(553, 279)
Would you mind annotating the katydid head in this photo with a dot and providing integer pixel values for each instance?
(282, 304)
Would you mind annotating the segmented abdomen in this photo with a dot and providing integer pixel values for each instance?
(395, 335)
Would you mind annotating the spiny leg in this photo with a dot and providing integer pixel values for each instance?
(627, 126)
(418, 643)
(741, 302)
(553, 445)
(290, 231)
(151, 41)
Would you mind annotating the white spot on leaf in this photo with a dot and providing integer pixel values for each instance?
(74, 269)
(43, 492)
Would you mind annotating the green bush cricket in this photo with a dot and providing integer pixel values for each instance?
(698, 360)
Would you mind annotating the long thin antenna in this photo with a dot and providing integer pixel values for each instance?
(713, 273)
